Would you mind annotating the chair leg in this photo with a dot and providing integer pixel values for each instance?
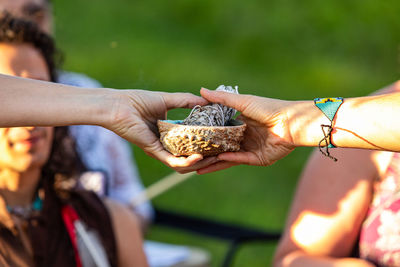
(230, 254)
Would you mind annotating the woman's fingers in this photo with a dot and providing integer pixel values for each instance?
(236, 101)
(248, 158)
(221, 165)
(179, 162)
(198, 165)
(182, 100)
(185, 164)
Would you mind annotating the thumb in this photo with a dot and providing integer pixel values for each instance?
(236, 101)
(182, 100)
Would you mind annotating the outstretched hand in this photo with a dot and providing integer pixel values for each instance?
(266, 139)
(135, 115)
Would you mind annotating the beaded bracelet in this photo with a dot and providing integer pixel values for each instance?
(329, 106)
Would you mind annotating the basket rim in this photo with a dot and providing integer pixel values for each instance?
(175, 123)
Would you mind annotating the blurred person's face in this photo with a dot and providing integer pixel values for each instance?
(24, 148)
(38, 11)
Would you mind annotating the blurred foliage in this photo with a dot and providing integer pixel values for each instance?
(277, 48)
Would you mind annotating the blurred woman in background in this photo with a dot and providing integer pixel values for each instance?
(45, 219)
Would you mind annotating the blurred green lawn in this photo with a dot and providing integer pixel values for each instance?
(278, 48)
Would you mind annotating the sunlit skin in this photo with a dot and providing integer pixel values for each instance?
(328, 209)
(330, 206)
(24, 150)
(311, 228)
(275, 127)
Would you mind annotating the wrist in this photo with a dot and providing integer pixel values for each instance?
(304, 122)
(106, 104)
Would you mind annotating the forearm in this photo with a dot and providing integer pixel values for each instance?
(365, 122)
(299, 259)
(25, 102)
(369, 122)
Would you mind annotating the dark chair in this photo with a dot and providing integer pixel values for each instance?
(236, 235)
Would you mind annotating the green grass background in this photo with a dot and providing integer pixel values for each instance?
(277, 48)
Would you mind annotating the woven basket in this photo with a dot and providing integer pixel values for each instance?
(185, 140)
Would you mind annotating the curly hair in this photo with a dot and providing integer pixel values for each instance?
(64, 163)
(20, 31)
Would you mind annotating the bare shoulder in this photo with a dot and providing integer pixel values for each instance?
(120, 214)
(127, 234)
(329, 205)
